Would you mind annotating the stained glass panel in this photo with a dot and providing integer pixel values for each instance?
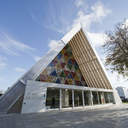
(63, 69)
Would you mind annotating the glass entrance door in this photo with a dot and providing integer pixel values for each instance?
(66, 98)
(78, 101)
(52, 100)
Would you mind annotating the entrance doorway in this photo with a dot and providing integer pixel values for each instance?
(66, 98)
(52, 100)
(78, 101)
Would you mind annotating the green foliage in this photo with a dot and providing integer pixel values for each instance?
(116, 48)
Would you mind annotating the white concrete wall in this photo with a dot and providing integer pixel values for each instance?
(116, 97)
(34, 98)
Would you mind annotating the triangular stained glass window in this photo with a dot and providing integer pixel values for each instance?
(65, 67)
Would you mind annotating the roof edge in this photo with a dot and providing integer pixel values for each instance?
(98, 57)
(67, 37)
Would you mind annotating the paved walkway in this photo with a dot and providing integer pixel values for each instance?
(111, 117)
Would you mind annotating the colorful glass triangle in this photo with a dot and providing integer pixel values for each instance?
(64, 69)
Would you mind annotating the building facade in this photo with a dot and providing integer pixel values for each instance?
(69, 76)
(1, 93)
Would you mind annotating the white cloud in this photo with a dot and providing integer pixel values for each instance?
(97, 39)
(12, 47)
(55, 45)
(19, 69)
(37, 58)
(125, 23)
(3, 63)
(117, 80)
(96, 15)
(79, 3)
(98, 11)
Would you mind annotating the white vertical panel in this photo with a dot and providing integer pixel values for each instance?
(34, 99)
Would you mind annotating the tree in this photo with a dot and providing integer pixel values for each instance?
(116, 49)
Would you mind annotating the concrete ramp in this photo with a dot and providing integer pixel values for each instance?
(11, 96)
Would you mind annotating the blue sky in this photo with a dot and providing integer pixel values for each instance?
(29, 28)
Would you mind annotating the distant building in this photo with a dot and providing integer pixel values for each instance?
(123, 92)
(1, 93)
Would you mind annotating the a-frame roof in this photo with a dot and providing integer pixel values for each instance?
(85, 56)
(89, 63)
